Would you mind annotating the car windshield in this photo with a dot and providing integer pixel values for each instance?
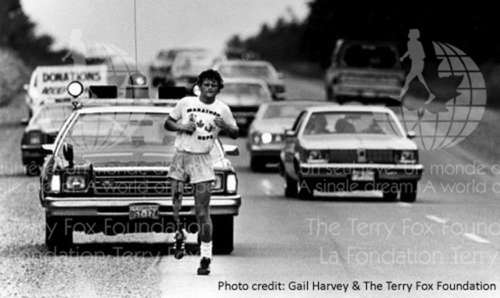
(192, 63)
(373, 56)
(376, 123)
(51, 117)
(241, 70)
(283, 111)
(244, 90)
(123, 139)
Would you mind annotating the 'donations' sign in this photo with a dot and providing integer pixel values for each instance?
(51, 81)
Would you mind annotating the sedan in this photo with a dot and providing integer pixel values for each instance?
(349, 148)
(266, 134)
(42, 128)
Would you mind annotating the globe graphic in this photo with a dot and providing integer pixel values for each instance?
(464, 112)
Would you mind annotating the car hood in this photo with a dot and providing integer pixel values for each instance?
(241, 100)
(275, 125)
(143, 161)
(354, 141)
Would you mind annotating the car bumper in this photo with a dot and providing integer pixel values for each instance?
(119, 206)
(270, 150)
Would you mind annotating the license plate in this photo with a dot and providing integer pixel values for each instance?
(363, 175)
(143, 211)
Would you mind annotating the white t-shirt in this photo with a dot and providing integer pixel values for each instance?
(203, 115)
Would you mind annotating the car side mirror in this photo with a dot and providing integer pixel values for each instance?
(68, 154)
(411, 134)
(231, 150)
(49, 148)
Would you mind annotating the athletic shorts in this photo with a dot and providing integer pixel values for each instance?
(192, 167)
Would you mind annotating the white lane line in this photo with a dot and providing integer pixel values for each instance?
(436, 219)
(403, 204)
(476, 238)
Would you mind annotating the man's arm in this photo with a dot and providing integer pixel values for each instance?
(230, 130)
(172, 125)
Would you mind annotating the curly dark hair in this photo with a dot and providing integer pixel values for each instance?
(210, 74)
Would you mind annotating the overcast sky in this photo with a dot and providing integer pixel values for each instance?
(160, 23)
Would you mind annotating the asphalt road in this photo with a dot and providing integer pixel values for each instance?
(451, 234)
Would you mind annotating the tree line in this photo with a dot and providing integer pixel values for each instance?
(468, 26)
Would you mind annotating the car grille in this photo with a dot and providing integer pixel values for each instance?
(351, 156)
(133, 183)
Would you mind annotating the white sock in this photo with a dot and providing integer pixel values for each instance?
(206, 249)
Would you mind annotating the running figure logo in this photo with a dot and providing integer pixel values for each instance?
(447, 101)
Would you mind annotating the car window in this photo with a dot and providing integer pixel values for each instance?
(373, 56)
(375, 123)
(123, 138)
(283, 111)
(240, 70)
(244, 89)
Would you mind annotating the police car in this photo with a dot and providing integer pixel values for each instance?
(108, 169)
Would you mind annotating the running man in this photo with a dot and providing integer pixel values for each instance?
(198, 121)
(417, 56)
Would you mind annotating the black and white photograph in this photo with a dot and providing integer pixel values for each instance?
(249, 148)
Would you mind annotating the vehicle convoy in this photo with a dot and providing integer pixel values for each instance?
(257, 69)
(107, 172)
(364, 71)
(350, 148)
(160, 69)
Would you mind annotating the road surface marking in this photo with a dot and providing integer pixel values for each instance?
(403, 204)
(476, 238)
(436, 219)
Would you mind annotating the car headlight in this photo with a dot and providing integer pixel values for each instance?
(55, 184)
(231, 183)
(75, 183)
(316, 156)
(256, 138)
(217, 183)
(408, 157)
(266, 138)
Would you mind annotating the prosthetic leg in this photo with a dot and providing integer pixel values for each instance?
(180, 236)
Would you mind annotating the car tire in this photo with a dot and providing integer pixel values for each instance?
(58, 235)
(409, 192)
(33, 169)
(223, 234)
(305, 191)
(257, 164)
(291, 187)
